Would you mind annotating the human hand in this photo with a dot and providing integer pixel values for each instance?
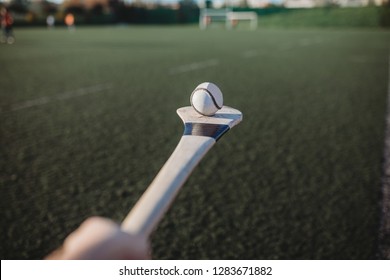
(101, 238)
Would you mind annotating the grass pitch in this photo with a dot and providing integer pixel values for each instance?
(88, 118)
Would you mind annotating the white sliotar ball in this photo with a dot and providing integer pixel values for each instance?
(206, 99)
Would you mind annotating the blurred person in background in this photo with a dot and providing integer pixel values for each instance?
(69, 21)
(50, 21)
(6, 26)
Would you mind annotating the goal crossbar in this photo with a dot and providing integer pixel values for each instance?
(226, 15)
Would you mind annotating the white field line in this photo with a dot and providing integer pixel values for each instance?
(193, 66)
(305, 42)
(384, 232)
(62, 96)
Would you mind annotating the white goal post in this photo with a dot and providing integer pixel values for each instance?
(233, 17)
(207, 16)
(230, 18)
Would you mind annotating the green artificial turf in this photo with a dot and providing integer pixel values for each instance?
(88, 118)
